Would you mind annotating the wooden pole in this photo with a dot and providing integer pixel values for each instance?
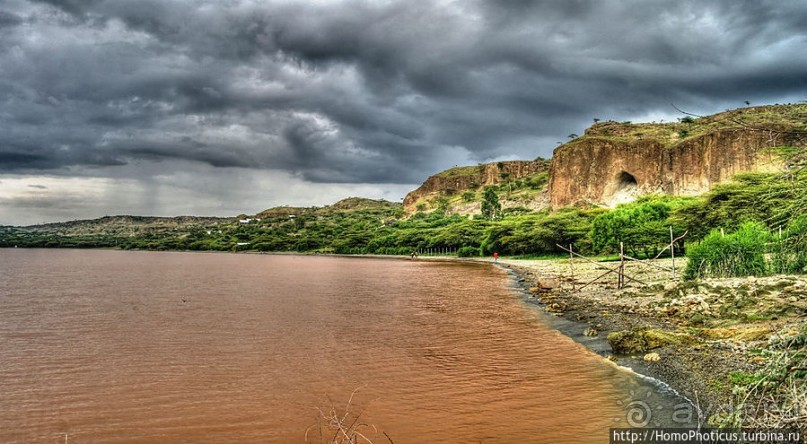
(672, 251)
(571, 264)
(600, 266)
(621, 279)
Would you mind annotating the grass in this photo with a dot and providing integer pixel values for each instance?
(775, 397)
(462, 171)
(341, 426)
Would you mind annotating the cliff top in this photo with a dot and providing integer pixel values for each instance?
(669, 134)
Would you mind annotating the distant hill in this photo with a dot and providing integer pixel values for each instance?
(345, 205)
(128, 225)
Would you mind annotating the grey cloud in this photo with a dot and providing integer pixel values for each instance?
(8, 19)
(366, 92)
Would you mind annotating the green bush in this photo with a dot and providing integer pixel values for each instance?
(741, 253)
(642, 226)
(749, 197)
(468, 252)
(537, 181)
(789, 250)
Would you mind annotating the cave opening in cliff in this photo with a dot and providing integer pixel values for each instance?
(623, 188)
(626, 180)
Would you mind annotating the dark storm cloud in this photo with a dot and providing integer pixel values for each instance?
(7, 19)
(362, 91)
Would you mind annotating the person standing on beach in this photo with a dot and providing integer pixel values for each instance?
(495, 257)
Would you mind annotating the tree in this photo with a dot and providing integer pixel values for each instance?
(490, 204)
(442, 206)
(643, 226)
(573, 136)
(506, 177)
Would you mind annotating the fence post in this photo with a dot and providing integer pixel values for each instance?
(571, 264)
(672, 251)
(621, 278)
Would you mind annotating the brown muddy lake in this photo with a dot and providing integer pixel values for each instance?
(146, 347)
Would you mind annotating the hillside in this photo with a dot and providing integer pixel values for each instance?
(459, 190)
(348, 205)
(617, 162)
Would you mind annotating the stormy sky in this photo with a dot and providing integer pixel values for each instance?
(204, 107)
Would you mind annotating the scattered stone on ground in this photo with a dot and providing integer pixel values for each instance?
(704, 331)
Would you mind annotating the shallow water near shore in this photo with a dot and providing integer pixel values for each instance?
(110, 346)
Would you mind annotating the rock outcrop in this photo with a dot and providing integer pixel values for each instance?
(614, 163)
(457, 180)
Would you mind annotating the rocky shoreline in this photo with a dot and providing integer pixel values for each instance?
(586, 318)
(697, 337)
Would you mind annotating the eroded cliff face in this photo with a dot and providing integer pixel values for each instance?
(616, 163)
(601, 169)
(457, 180)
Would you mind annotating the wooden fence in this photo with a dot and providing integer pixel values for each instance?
(622, 277)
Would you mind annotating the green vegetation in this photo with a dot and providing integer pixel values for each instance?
(537, 181)
(642, 226)
(741, 253)
(490, 204)
(468, 252)
(763, 215)
(789, 250)
(357, 230)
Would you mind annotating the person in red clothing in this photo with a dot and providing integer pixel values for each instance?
(495, 257)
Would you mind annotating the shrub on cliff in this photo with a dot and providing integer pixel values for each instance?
(741, 253)
(762, 197)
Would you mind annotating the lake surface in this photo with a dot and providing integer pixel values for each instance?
(147, 347)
